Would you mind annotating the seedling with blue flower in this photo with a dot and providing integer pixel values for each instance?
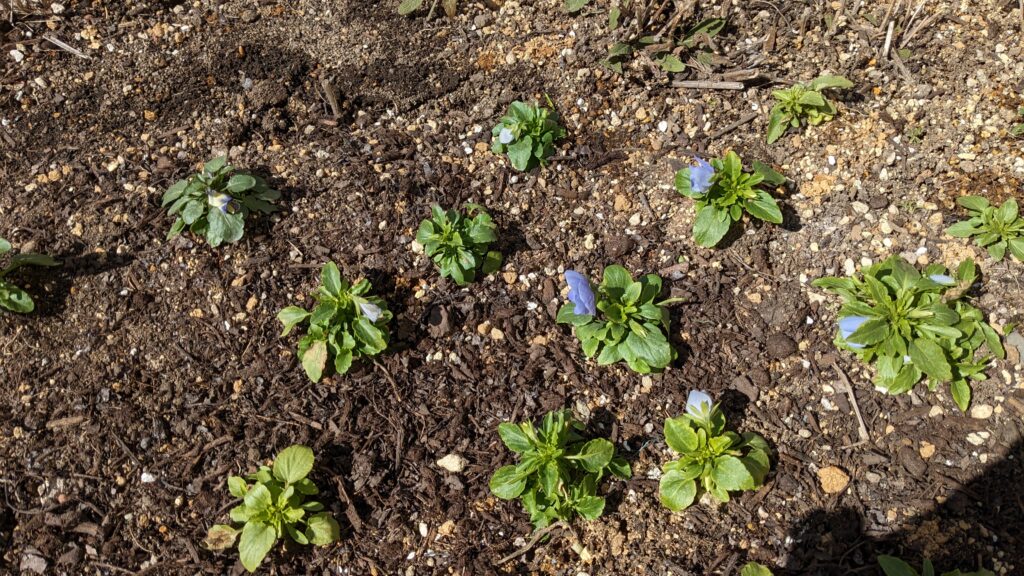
(893, 566)
(12, 297)
(995, 229)
(216, 202)
(712, 459)
(803, 104)
(723, 192)
(459, 244)
(274, 504)
(620, 321)
(527, 134)
(559, 471)
(913, 326)
(346, 324)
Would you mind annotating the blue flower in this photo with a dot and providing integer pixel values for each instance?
(371, 311)
(943, 279)
(698, 405)
(580, 293)
(220, 201)
(506, 136)
(700, 176)
(848, 325)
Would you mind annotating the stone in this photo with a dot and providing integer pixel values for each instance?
(743, 385)
(912, 462)
(780, 346)
(452, 463)
(833, 479)
(981, 411)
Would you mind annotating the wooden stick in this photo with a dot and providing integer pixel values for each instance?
(862, 429)
(708, 85)
(536, 537)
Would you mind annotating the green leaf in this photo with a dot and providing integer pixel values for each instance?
(961, 393)
(369, 334)
(520, 153)
(679, 435)
(507, 483)
(322, 529)
(290, 317)
(575, 5)
(895, 567)
(812, 98)
(616, 280)
(240, 183)
(769, 174)
(871, 332)
(962, 229)
(409, 6)
(258, 498)
(675, 491)
(975, 203)
(330, 278)
(590, 507)
(763, 206)
(215, 165)
(220, 537)
(827, 81)
(730, 474)
(514, 437)
(930, 358)
(671, 63)
(314, 360)
(257, 540)
(1008, 211)
(596, 454)
(5, 246)
(778, 123)
(15, 299)
(755, 569)
(710, 226)
(237, 486)
(1016, 246)
(293, 463)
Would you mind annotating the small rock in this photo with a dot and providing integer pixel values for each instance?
(1016, 339)
(452, 463)
(147, 478)
(927, 449)
(935, 411)
(833, 480)
(743, 385)
(18, 57)
(981, 411)
(621, 203)
(446, 529)
(780, 346)
(497, 334)
(912, 461)
(33, 563)
(618, 246)
(975, 439)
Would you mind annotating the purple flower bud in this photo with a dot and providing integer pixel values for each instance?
(848, 325)
(580, 293)
(506, 136)
(700, 176)
(698, 405)
(371, 311)
(220, 201)
(943, 279)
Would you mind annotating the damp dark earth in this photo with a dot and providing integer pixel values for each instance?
(151, 369)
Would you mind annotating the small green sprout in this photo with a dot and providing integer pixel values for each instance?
(803, 103)
(755, 569)
(558, 472)
(1018, 129)
(12, 297)
(996, 229)
(407, 7)
(723, 192)
(346, 324)
(459, 244)
(527, 134)
(895, 567)
(913, 326)
(631, 326)
(215, 202)
(274, 504)
(711, 459)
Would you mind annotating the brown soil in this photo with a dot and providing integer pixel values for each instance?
(164, 358)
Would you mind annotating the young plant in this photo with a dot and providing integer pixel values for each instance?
(1018, 129)
(558, 471)
(723, 192)
(755, 569)
(459, 244)
(274, 504)
(407, 7)
(215, 202)
(711, 459)
(621, 321)
(895, 567)
(803, 104)
(527, 134)
(913, 326)
(345, 325)
(996, 229)
(12, 297)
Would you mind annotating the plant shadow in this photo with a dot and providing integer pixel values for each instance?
(50, 287)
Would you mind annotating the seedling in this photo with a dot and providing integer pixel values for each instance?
(723, 192)
(274, 504)
(409, 6)
(803, 104)
(895, 567)
(621, 321)
(711, 459)
(12, 297)
(216, 202)
(527, 134)
(996, 229)
(346, 324)
(1018, 129)
(558, 471)
(459, 244)
(913, 326)
(755, 569)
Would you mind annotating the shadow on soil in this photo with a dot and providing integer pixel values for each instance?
(979, 521)
(50, 287)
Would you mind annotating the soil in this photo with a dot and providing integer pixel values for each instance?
(153, 369)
